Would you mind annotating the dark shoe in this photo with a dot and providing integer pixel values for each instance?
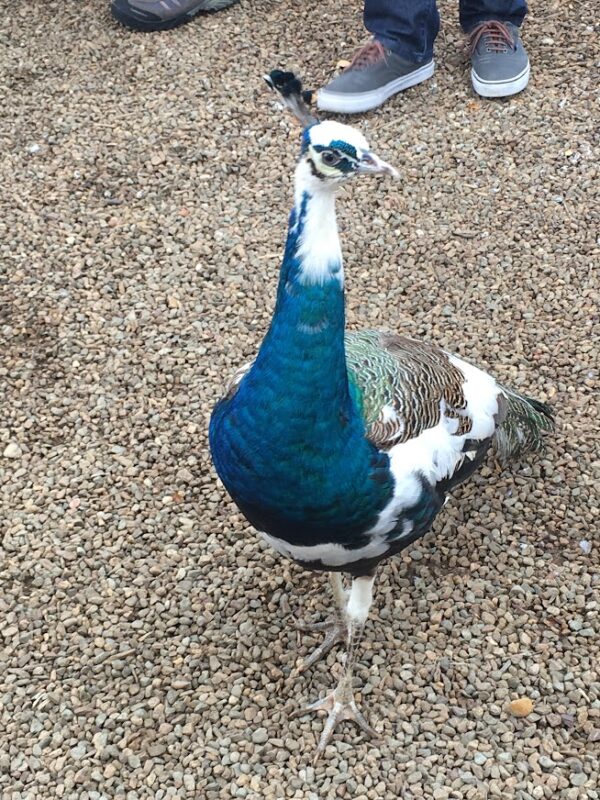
(500, 66)
(374, 75)
(161, 15)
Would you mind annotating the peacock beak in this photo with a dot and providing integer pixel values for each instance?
(371, 164)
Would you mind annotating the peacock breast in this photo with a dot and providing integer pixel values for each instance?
(299, 477)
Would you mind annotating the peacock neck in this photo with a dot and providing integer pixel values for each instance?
(290, 443)
(305, 342)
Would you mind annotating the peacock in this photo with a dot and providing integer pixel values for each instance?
(338, 446)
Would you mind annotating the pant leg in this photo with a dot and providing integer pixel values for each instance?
(472, 12)
(407, 27)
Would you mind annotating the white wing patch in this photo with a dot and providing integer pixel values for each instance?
(388, 414)
(436, 452)
(481, 393)
(388, 428)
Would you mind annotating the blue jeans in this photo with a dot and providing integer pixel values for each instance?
(409, 27)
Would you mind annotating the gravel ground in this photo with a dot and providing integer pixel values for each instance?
(148, 641)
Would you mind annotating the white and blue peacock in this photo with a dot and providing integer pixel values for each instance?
(339, 447)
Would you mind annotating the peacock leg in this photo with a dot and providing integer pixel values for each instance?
(335, 628)
(340, 703)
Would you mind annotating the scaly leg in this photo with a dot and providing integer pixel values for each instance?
(335, 628)
(340, 703)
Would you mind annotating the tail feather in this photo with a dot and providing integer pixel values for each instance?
(524, 425)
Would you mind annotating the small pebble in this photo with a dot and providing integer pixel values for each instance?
(260, 736)
(521, 707)
(12, 450)
(579, 779)
(79, 750)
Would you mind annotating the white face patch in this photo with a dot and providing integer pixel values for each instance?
(331, 136)
(324, 133)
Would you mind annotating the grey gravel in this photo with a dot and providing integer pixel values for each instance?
(260, 736)
(12, 450)
(148, 647)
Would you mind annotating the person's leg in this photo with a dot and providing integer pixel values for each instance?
(472, 12)
(399, 56)
(406, 27)
(500, 65)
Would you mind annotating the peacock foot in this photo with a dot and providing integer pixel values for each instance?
(340, 705)
(335, 629)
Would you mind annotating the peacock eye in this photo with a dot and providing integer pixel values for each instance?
(330, 158)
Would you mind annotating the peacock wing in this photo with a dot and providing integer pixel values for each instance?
(403, 386)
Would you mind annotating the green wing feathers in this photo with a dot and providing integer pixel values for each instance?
(401, 384)
(371, 371)
(524, 425)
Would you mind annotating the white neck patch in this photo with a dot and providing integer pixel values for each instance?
(319, 246)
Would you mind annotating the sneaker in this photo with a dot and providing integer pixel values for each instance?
(500, 66)
(374, 75)
(161, 15)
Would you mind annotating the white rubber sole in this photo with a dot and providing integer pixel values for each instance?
(341, 103)
(500, 88)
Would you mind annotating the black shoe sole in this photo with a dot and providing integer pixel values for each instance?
(136, 24)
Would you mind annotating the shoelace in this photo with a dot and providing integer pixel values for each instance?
(498, 37)
(369, 54)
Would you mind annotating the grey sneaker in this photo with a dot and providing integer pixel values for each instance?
(500, 66)
(161, 15)
(374, 75)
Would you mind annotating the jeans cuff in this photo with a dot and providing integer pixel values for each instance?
(399, 49)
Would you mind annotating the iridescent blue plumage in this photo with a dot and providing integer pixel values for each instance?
(339, 447)
(290, 443)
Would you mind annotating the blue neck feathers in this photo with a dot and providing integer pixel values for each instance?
(290, 445)
(305, 342)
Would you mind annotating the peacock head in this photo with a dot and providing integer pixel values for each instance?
(334, 152)
(331, 152)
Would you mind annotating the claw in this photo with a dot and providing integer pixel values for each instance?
(336, 630)
(340, 705)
